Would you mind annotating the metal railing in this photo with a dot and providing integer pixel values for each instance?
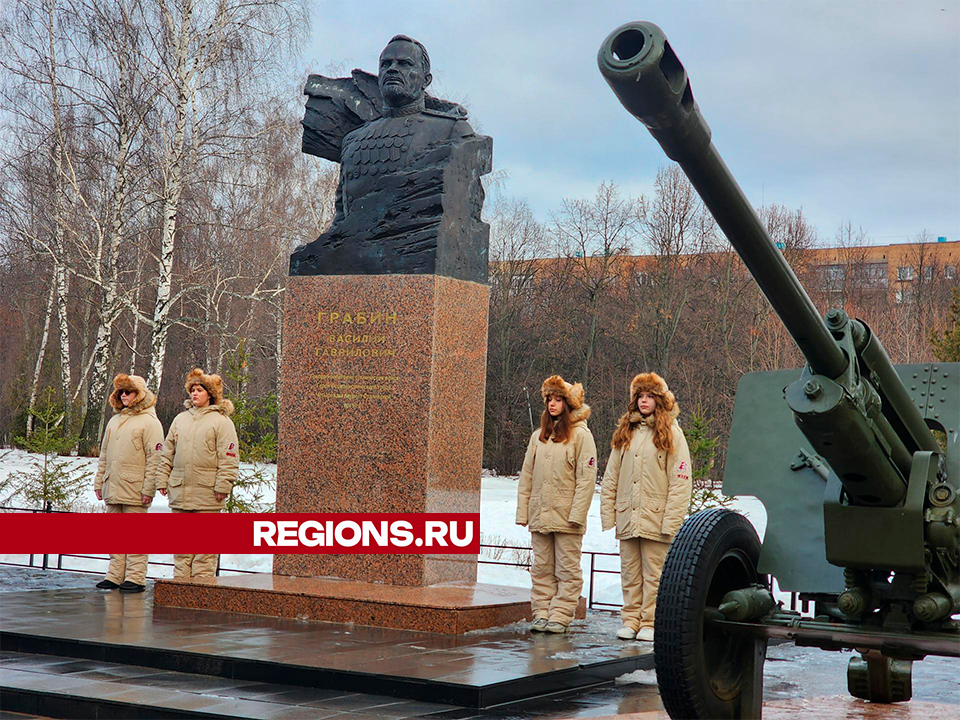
(592, 602)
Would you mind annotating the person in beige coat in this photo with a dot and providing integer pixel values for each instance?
(129, 453)
(556, 487)
(645, 495)
(200, 461)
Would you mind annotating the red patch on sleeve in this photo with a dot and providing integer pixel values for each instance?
(683, 465)
(159, 447)
(230, 454)
(232, 446)
(592, 461)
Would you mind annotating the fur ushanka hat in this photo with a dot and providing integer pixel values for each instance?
(142, 400)
(556, 385)
(653, 384)
(213, 384)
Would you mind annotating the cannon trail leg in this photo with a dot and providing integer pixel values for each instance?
(702, 671)
(751, 692)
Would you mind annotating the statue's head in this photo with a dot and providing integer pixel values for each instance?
(404, 71)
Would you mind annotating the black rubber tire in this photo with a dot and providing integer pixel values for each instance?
(716, 551)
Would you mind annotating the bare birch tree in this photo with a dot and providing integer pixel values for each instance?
(208, 57)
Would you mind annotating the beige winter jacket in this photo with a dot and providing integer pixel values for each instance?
(646, 493)
(558, 480)
(130, 449)
(200, 457)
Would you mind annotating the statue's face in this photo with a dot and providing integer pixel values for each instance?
(401, 78)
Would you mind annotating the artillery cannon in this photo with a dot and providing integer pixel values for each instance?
(863, 511)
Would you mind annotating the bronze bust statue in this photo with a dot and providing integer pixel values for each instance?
(409, 195)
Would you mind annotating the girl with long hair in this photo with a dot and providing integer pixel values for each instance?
(645, 495)
(556, 487)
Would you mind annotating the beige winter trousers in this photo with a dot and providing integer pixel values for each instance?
(641, 562)
(127, 567)
(555, 575)
(188, 566)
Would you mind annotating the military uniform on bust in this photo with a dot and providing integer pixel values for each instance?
(409, 195)
(389, 145)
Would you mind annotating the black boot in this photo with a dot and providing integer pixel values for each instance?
(131, 587)
(107, 585)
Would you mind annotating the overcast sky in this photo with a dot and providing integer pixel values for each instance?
(850, 110)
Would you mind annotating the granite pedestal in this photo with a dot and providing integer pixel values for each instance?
(447, 608)
(382, 393)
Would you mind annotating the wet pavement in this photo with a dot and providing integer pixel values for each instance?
(799, 682)
(810, 683)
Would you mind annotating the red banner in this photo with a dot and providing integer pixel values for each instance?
(241, 533)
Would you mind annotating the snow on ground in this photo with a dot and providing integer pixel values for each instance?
(498, 503)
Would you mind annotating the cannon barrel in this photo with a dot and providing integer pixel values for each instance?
(642, 70)
(849, 395)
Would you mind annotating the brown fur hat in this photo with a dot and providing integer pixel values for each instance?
(556, 385)
(653, 384)
(144, 398)
(212, 383)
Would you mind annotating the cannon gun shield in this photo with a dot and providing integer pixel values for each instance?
(762, 461)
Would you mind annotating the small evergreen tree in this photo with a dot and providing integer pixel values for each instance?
(946, 344)
(53, 481)
(703, 450)
(255, 419)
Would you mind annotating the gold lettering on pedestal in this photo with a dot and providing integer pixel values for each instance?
(357, 317)
(346, 340)
(354, 389)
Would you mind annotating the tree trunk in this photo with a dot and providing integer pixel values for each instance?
(61, 279)
(173, 187)
(35, 385)
(92, 427)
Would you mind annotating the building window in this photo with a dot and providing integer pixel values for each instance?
(928, 272)
(905, 272)
(904, 295)
(520, 283)
(873, 273)
(950, 272)
(832, 277)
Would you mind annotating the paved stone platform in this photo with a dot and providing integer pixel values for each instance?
(479, 669)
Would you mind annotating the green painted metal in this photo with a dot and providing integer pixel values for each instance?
(763, 446)
(876, 537)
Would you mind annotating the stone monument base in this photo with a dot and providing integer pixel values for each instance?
(449, 608)
(381, 411)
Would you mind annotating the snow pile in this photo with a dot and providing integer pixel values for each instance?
(639, 677)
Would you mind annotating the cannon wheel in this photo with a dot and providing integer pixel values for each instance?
(701, 673)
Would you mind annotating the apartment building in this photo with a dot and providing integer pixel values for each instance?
(899, 269)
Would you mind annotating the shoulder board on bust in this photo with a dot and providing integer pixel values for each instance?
(358, 131)
(443, 114)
